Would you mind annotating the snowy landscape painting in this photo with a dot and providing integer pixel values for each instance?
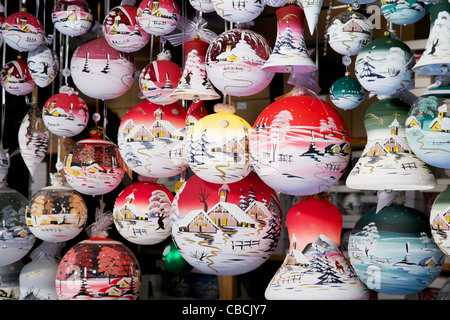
(98, 269)
(393, 252)
(226, 229)
(296, 156)
(317, 271)
(403, 12)
(73, 21)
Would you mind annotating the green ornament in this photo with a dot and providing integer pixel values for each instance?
(173, 261)
(346, 93)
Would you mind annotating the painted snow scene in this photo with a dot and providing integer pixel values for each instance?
(428, 130)
(158, 17)
(43, 64)
(383, 67)
(349, 32)
(392, 250)
(72, 19)
(290, 53)
(299, 145)
(346, 93)
(98, 269)
(93, 166)
(403, 12)
(33, 139)
(121, 30)
(239, 11)
(16, 78)
(226, 229)
(142, 213)
(22, 31)
(65, 114)
(440, 221)
(100, 71)
(234, 60)
(16, 240)
(56, 214)
(317, 271)
(151, 139)
(217, 147)
(387, 161)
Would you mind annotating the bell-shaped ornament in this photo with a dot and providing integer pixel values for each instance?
(194, 83)
(290, 53)
(387, 162)
(315, 267)
(436, 57)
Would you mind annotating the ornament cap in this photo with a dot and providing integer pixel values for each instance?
(224, 108)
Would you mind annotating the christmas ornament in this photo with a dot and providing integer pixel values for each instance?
(392, 250)
(15, 237)
(158, 17)
(312, 10)
(141, 213)
(195, 112)
(383, 66)
(98, 268)
(299, 145)
(43, 64)
(439, 222)
(173, 261)
(427, 127)
(194, 83)
(202, 5)
(22, 31)
(435, 59)
(349, 32)
(159, 79)
(121, 30)
(56, 213)
(72, 18)
(346, 93)
(100, 71)
(217, 146)
(4, 164)
(10, 286)
(290, 53)
(33, 139)
(238, 12)
(234, 60)
(387, 162)
(404, 12)
(65, 113)
(276, 3)
(37, 278)
(151, 139)
(93, 166)
(226, 229)
(16, 78)
(2, 19)
(315, 267)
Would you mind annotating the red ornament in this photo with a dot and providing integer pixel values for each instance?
(300, 145)
(16, 78)
(22, 31)
(158, 17)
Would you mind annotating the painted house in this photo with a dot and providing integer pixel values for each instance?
(257, 210)
(440, 223)
(159, 131)
(198, 221)
(393, 146)
(232, 146)
(441, 122)
(229, 215)
(412, 122)
(141, 134)
(109, 292)
(377, 150)
(121, 283)
(95, 167)
(353, 26)
(296, 258)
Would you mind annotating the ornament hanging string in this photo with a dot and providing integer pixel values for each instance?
(190, 29)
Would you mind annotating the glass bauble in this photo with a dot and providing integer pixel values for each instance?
(72, 18)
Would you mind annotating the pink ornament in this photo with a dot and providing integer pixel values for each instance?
(142, 213)
(238, 11)
(151, 139)
(159, 79)
(16, 78)
(158, 17)
(65, 114)
(100, 71)
(226, 229)
(299, 145)
(72, 18)
(98, 269)
(93, 166)
(33, 139)
(234, 60)
(22, 31)
(121, 30)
